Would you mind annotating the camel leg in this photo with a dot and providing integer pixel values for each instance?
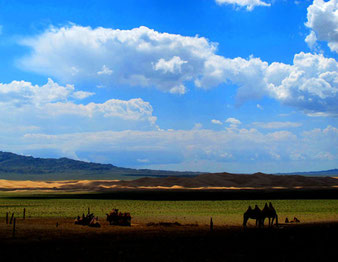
(245, 220)
(276, 220)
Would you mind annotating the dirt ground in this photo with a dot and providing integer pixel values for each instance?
(61, 240)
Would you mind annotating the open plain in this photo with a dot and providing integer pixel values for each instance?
(41, 240)
(169, 228)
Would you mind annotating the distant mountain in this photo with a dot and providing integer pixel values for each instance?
(331, 172)
(18, 167)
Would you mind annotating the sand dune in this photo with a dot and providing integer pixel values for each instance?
(219, 181)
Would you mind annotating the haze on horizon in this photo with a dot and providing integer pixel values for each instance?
(215, 85)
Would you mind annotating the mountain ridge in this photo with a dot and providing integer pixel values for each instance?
(19, 167)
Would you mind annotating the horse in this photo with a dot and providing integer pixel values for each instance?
(255, 213)
(270, 213)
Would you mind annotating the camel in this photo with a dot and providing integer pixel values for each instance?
(270, 213)
(253, 214)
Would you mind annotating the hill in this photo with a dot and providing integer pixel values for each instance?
(18, 167)
(204, 182)
(331, 172)
(227, 180)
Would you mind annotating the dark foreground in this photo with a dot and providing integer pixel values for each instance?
(41, 240)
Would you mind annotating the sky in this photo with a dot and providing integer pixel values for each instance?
(199, 85)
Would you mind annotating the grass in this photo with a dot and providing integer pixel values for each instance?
(144, 211)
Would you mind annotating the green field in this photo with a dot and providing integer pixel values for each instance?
(223, 212)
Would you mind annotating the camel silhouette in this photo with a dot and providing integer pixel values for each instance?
(260, 215)
(253, 214)
(270, 213)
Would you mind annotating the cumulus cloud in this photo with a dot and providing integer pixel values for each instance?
(105, 71)
(144, 57)
(311, 83)
(23, 103)
(137, 57)
(322, 19)
(133, 109)
(216, 122)
(82, 94)
(233, 122)
(22, 92)
(172, 66)
(249, 4)
(276, 125)
(311, 40)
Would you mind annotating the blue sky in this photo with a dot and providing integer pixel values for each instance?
(208, 85)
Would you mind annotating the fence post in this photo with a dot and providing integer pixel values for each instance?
(14, 222)
(211, 225)
(10, 222)
(24, 213)
(6, 217)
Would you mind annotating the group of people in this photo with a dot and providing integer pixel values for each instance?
(88, 220)
(118, 218)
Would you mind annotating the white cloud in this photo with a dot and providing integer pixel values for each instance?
(82, 94)
(311, 83)
(133, 109)
(105, 71)
(259, 107)
(276, 125)
(55, 106)
(172, 66)
(216, 122)
(21, 92)
(144, 57)
(322, 19)
(311, 40)
(182, 147)
(137, 57)
(249, 4)
(233, 122)
(180, 89)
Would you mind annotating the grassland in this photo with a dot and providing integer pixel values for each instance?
(223, 212)
(49, 233)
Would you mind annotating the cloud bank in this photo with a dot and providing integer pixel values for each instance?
(145, 58)
(52, 105)
(206, 149)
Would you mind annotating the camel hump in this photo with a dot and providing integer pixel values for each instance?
(257, 208)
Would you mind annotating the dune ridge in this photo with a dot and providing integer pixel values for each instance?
(217, 181)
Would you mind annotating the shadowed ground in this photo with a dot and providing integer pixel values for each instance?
(41, 240)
